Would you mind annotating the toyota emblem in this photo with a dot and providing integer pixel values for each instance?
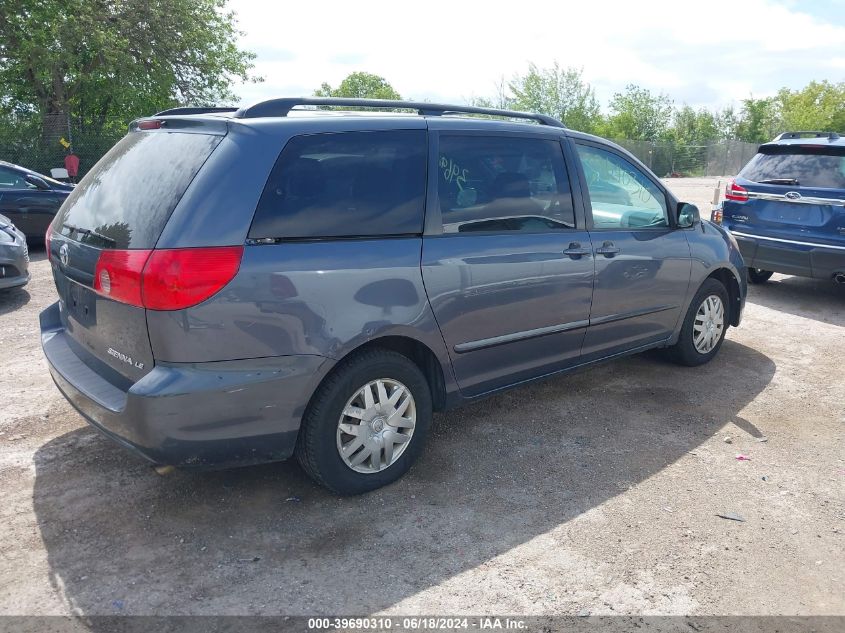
(63, 254)
(792, 195)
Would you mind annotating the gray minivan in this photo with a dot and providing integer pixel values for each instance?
(238, 286)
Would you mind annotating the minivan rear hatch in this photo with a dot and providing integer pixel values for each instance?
(117, 213)
(794, 192)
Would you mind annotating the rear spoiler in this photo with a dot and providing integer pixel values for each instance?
(201, 125)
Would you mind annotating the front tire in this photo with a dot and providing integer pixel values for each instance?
(704, 327)
(758, 275)
(366, 424)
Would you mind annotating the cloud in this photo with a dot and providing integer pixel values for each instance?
(709, 54)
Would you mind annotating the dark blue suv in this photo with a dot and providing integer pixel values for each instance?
(241, 286)
(786, 207)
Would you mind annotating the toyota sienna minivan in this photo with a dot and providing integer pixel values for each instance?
(241, 286)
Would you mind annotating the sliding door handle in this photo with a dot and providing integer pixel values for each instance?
(575, 250)
(607, 249)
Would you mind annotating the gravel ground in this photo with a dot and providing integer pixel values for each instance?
(594, 492)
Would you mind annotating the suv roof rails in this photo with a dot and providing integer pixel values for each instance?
(831, 136)
(281, 107)
(193, 110)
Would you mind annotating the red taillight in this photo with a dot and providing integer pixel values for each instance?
(716, 216)
(150, 124)
(179, 278)
(166, 279)
(118, 275)
(736, 192)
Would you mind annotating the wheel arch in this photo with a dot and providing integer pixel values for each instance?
(414, 350)
(731, 283)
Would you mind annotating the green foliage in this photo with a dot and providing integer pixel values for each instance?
(759, 121)
(818, 106)
(359, 85)
(694, 127)
(639, 115)
(104, 62)
(559, 92)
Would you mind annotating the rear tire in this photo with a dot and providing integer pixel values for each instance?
(704, 327)
(351, 442)
(758, 275)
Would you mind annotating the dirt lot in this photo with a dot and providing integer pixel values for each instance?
(597, 492)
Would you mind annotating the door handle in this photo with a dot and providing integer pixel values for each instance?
(607, 249)
(575, 250)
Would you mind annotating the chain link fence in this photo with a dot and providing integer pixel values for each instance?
(24, 143)
(725, 158)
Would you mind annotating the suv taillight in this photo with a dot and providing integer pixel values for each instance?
(736, 192)
(165, 279)
(716, 216)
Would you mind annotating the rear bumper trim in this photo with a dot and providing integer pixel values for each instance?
(780, 197)
(197, 415)
(785, 241)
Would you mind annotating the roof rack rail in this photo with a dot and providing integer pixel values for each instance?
(281, 107)
(194, 110)
(831, 136)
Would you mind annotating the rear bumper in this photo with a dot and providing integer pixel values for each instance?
(791, 257)
(204, 415)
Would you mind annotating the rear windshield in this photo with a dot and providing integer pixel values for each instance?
(806, 166)
(345, 184)
(126, 199)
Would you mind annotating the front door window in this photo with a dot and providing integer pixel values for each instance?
(621, 196)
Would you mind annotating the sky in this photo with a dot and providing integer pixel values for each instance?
(711, 53)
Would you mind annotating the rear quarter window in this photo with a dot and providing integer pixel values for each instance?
(822, 167)
(127, 198)
(345, 184)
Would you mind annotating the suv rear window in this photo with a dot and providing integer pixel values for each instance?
(813, 166)
(127, 198)
(345, 184)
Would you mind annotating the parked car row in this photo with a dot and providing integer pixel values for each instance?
(29, 199)
(244, 286)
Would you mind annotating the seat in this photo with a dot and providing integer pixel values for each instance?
(511, 193)
(511, 184)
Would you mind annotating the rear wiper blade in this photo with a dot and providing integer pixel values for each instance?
(779, 181)
(81, 231)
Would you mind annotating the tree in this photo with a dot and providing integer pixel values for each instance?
(727, 121)
(502, 100)
(360, 85)
(637, 114)
(818, 106)
(694, 127)
(558, 92)
(759, 120)
(97, 59)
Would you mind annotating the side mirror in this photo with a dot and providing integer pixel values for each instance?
(688, 215)
(36, 181)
